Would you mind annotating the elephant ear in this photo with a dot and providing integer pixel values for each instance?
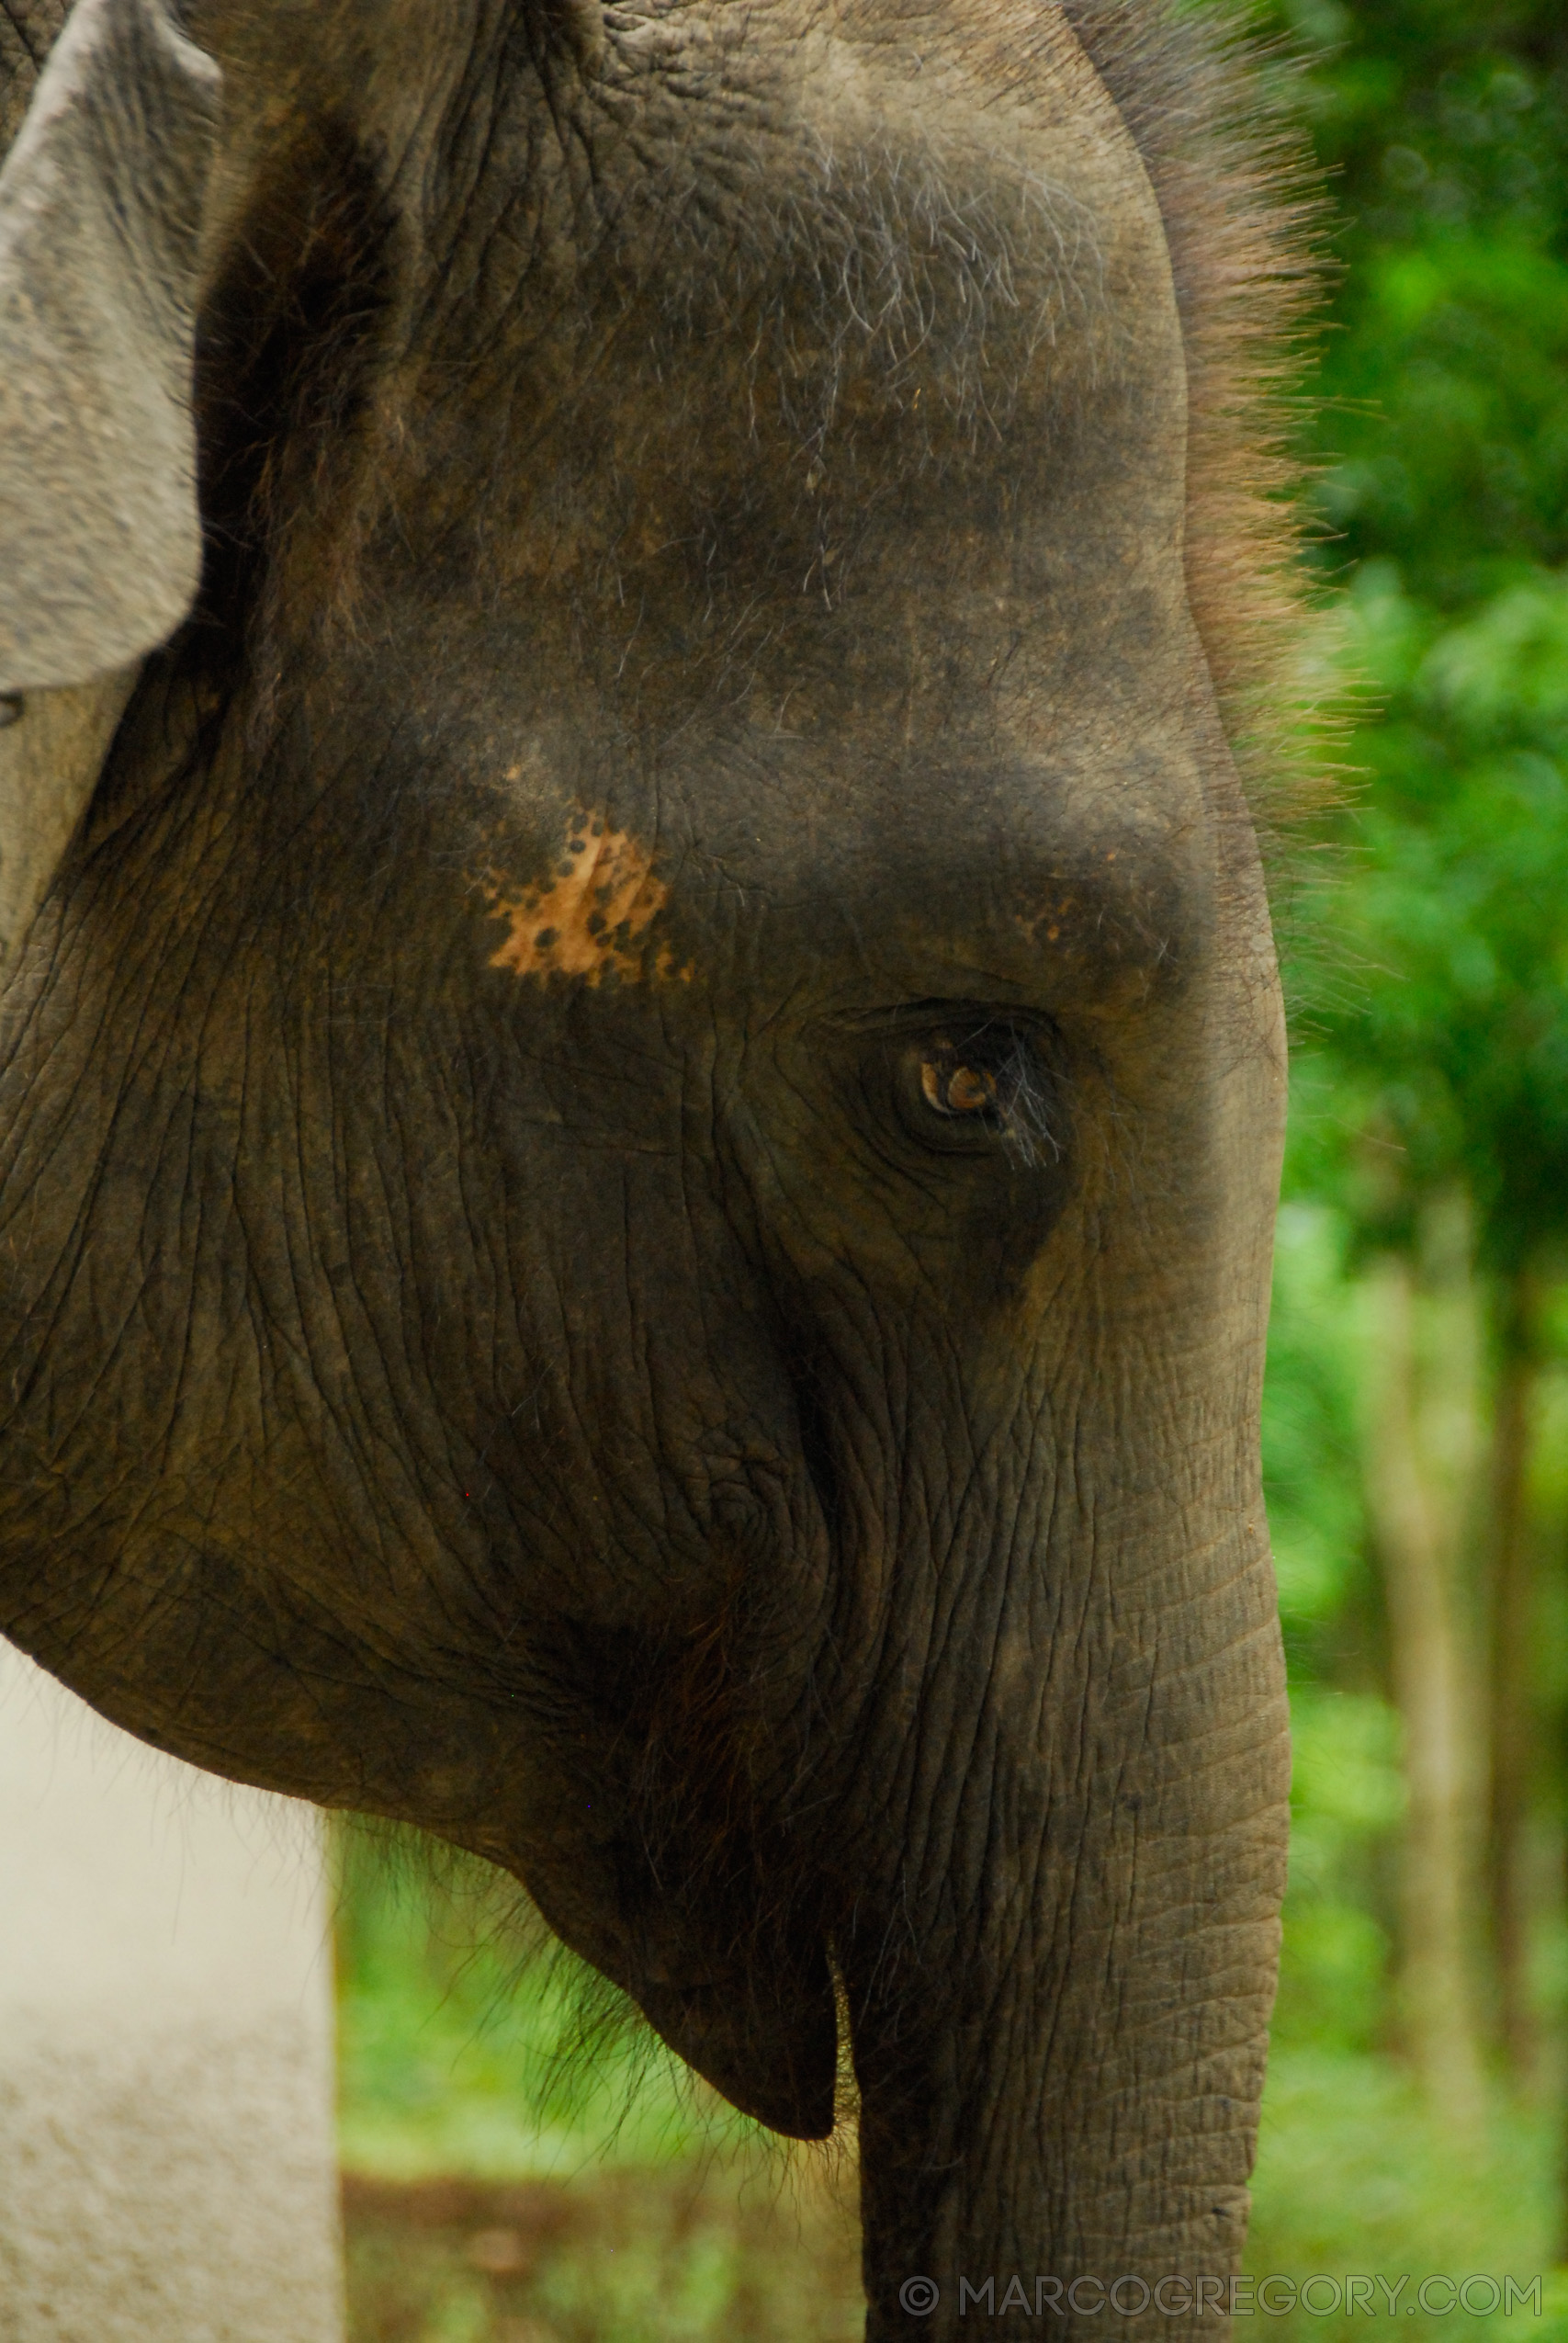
(101, 204)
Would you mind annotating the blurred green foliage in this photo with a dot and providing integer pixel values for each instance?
(1430, 988)
(1430, 977)
(1442, 434)
(1445, 1040)
(1441, 451)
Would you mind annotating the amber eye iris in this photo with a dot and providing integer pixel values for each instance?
(957, 1090)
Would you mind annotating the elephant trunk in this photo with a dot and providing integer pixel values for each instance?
(1059, 1993)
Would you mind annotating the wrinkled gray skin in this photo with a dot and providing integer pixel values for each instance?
(639, 1132)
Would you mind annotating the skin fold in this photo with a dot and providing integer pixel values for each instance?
(638, 1136)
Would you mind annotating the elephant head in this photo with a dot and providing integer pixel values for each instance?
(641, 1064)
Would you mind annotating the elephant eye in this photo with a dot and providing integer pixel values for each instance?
(989, 1083)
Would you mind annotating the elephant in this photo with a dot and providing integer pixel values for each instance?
(641, 1058)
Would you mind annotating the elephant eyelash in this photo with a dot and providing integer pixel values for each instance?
(1026, 1121)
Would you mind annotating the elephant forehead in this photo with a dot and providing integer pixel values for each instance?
(791, 286)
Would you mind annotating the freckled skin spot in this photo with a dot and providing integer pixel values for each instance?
(590, 917)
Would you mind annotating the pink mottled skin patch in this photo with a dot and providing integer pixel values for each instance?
(589, 919)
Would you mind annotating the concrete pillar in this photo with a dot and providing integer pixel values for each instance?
(168, 2150)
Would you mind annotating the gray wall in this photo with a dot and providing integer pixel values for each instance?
(168, 2150)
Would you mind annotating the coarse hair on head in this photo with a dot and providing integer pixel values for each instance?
(1245, 216)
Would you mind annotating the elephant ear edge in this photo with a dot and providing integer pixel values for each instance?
(101, 204)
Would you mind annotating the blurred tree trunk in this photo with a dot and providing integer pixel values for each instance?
(1421, 1446)
(1512, 1706)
